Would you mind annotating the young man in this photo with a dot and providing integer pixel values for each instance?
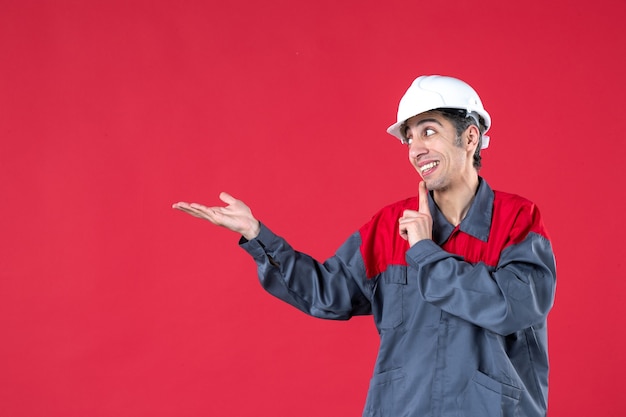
(459, 280)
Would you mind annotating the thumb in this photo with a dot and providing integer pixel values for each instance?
(227, 198)
(423, 199)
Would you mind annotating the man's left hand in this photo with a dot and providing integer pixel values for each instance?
(417, 225)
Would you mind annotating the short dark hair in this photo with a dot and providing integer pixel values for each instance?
(461, 120)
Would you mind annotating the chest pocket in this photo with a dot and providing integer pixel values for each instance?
(388, 306)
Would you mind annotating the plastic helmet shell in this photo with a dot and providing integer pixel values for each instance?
(430, 92)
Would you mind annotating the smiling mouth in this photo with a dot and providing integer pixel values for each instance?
(428, 167)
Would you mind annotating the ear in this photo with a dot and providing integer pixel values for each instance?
(471, 137)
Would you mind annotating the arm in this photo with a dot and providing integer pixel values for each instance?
(332, 290)
(514, 295)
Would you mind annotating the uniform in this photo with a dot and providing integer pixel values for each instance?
(461, 317)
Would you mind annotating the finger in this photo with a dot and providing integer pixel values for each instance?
(215, 215)
(423, 199)
(409, 214)
(192, 211)
(186, 206)
(403, 232)
(182, 206)
(227, 198)
(198, 207)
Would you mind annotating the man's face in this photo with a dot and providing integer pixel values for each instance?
(434, 151)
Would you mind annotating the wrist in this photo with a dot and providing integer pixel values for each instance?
(253, 231)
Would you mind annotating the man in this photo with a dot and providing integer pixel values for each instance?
(459, 280)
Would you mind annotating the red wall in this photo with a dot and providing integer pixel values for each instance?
(113, 304)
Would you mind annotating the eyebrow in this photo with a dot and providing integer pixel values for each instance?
(427, 121)
(421, 122)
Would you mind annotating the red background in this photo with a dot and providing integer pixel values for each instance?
(113, 304)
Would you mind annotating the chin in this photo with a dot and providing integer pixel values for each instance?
(435, 185)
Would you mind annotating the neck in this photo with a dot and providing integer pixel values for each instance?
(455, 201)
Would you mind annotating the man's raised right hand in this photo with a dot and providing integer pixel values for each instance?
(236, 216)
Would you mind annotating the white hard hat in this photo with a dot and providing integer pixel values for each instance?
(430, 92)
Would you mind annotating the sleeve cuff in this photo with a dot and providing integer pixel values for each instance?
(421, 251)
(260, 245)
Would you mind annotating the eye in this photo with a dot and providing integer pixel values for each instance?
(407, 141)
(429, 132)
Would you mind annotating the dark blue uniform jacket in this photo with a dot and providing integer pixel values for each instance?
(461, 318)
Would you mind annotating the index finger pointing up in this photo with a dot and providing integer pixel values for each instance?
(423, 199)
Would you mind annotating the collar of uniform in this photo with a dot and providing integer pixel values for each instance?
(476, 223)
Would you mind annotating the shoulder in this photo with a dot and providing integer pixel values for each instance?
(511, 198)
(511, 201)
(523, 213)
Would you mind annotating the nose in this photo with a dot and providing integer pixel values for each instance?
(417, 149)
